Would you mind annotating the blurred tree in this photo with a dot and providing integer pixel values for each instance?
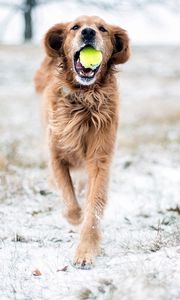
(28, 7)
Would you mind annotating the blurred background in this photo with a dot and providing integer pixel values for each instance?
(147, 21)
(143, 218)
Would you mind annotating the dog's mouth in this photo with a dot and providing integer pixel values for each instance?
(86, 74)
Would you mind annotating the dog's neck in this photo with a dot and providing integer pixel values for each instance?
(93, 99)
(66, 91)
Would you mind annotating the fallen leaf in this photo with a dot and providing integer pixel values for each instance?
(63, 269)
(36, 272)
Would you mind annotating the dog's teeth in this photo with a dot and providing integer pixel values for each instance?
(90, 73)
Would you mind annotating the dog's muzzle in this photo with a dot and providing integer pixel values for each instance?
(88, 35)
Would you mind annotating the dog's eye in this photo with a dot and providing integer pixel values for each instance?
(75, 27)
(101, 28)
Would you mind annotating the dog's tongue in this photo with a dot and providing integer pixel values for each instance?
(79, 66)
(87, 72)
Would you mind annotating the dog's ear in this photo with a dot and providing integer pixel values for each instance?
(121, 48)
(54, 39)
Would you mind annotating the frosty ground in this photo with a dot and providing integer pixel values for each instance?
(140, 256)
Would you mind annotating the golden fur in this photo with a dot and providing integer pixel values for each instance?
(81, 121)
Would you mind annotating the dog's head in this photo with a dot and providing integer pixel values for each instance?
(66, 40)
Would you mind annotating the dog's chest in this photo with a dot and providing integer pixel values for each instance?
(77, 121)
(73, 124)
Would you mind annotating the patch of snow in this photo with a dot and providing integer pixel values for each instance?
(140, 257)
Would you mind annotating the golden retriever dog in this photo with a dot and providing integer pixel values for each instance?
(80, 108)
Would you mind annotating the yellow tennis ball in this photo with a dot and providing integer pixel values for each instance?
(90, 57)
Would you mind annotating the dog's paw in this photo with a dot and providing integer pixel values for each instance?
(85, 255)
(83, 261)
(74, 216)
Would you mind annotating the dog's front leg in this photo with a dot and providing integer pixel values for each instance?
(88, 247)
(63, 181)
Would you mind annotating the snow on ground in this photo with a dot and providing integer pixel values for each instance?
(141, 229)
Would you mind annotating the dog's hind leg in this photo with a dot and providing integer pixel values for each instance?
(60, 170)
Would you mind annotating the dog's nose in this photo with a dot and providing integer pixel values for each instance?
(88, 34)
